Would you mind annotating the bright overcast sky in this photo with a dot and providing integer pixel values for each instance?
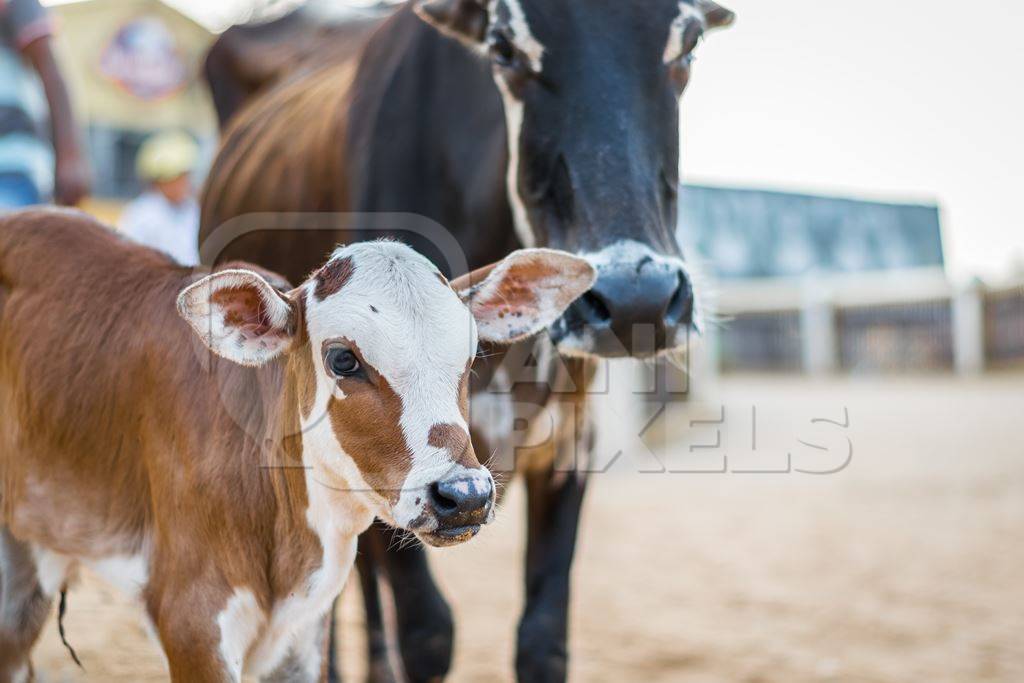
(893, 99)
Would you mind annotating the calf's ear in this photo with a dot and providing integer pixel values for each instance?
(466, 20)
(240, 316)
(524, 293)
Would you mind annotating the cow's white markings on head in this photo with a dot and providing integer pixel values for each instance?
(514, 124)
(676, 36)
(524, 41)
(534, 51)
(522, 36)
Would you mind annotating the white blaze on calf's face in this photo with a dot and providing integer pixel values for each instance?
(415, 340)
(404, 424)
(688, 15)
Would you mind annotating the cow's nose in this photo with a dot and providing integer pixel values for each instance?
(635, 308)
(462, 500)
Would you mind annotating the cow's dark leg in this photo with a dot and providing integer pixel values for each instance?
(426, 631)
(553, 508)
(378, 665)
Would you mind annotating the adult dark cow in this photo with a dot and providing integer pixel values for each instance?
(511, 123)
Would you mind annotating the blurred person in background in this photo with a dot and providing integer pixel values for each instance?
(34, 166)
(166, 216)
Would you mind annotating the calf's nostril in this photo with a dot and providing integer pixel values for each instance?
(462, 500)
(441, 501)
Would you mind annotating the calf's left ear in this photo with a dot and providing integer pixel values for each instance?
(524, 293)
(239, 316)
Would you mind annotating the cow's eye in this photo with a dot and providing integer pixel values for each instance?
(342, 363)
(502, 51)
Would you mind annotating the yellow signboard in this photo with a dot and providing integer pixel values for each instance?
(135, 65)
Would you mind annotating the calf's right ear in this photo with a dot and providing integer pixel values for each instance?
(524, 293)
(239, 316)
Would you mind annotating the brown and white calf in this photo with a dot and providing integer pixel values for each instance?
(225, 490)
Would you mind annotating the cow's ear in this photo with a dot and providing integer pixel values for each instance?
(716, 16)
(466, 20)
(523, 294)
(240, 316)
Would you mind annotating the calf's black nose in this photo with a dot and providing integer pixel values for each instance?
(462, 501)
(635, 308)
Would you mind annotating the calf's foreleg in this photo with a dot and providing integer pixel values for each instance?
(24, 606)
(204, 644)
(307, 660)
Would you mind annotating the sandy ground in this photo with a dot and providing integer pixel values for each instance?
(906, 566)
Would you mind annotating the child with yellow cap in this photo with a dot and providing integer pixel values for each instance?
(166, 216)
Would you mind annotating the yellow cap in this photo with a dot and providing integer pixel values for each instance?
(166, 156)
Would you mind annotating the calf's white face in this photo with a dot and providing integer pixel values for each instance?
(380, 346)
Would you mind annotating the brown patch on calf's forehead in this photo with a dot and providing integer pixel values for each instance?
(455, 440)
(367, 424)
(333, 276)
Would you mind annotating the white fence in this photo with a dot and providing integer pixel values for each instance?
(908, 321)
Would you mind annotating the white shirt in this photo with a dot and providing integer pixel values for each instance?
(170, 228)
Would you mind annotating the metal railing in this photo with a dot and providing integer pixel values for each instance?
(896, 337)
(762, 341)
(1004, 326)
(911, 321)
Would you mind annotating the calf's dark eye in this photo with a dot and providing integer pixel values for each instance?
(343, 363)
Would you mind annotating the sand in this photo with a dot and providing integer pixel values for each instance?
(907, 566)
